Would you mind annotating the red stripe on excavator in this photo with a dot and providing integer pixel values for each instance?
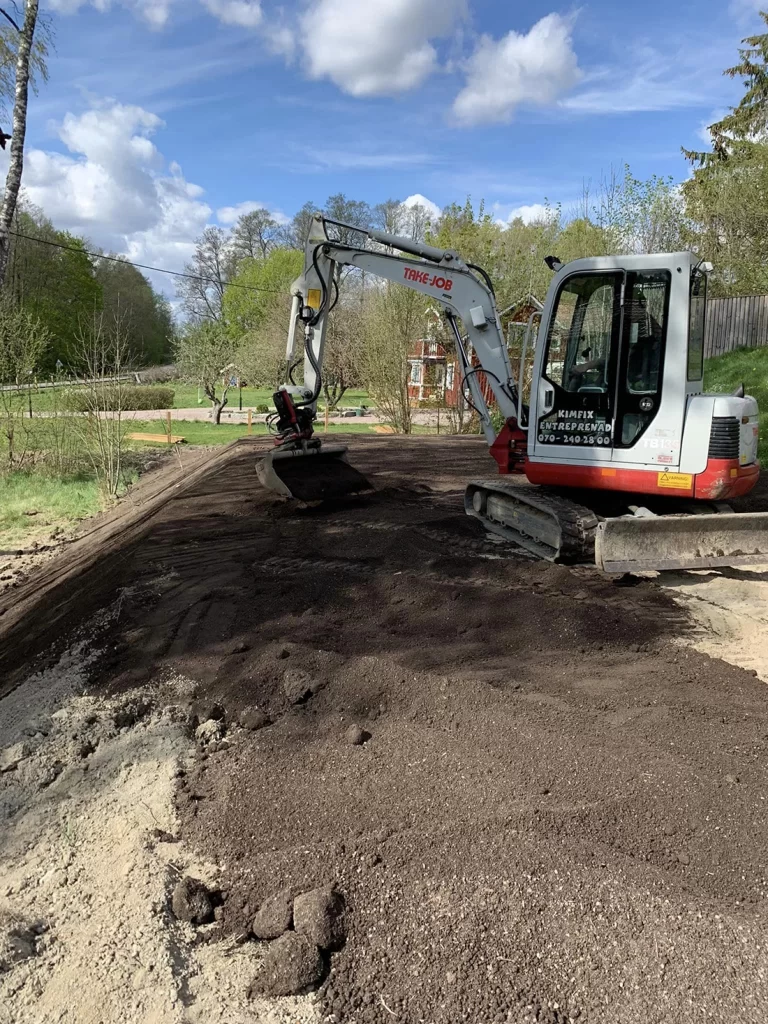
(722, 479)
(606, 477)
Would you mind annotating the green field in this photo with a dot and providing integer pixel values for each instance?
(186, 396)
(747, 366)
(35, 506)
(204, 432)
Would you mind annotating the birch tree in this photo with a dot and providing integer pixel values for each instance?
(27, 56)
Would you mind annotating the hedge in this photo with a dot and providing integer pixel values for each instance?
(130, 398)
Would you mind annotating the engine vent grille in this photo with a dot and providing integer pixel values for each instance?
(725, 437)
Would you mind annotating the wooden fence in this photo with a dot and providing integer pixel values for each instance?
(740, 322)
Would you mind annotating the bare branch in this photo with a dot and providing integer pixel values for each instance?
(6, 15)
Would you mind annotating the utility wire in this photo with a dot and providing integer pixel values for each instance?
(143, 266)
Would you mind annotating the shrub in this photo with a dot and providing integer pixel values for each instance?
(262, 408)
(133, 397)
(158, 374)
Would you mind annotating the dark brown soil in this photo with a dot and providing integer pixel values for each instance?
(559, 814)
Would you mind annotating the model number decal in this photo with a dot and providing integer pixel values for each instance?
(445, 284)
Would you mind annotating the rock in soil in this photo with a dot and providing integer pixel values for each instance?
(319, 916)
(274, 917)
(192, 902)
(292, 965)
(254, 719)
(12, 757)
(18, 941)
(209, 732)
(297, 686)
(356, 736)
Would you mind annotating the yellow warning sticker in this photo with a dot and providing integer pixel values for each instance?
(675, 481)
(314, 298)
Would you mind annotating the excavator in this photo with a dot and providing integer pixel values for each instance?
(632, 463)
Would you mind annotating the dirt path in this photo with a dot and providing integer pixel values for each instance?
(556, 813)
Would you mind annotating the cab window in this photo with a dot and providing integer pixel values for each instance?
(645, 326)
(581, 333)
(696, 333)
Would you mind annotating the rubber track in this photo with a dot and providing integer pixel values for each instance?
(578, 524)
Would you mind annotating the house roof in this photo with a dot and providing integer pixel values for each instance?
(524, 302)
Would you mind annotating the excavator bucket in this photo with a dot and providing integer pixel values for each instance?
(637, 543)
(314, 474)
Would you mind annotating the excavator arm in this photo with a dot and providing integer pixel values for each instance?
(464, 292)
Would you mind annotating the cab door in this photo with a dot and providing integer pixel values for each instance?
(641, 432)
(576, 403)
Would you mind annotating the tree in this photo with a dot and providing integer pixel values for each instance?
(208, 357)
(254, 236)
(261, 350)
(51, 275)
(413, 221)
(726, 196)
(344, 347)
(145, 317)
(250, 295)
(641, 216)
(295, 234)
(257, 307)
(353, 212)
(727, 203)
(209, 270)
(744, 125)
(395, 318)
(23, 43)
(23, 340)
(388, 216)
(103, 356)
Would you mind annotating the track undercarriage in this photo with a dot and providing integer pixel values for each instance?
(555, 527)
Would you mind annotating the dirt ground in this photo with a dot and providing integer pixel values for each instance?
(557, 812)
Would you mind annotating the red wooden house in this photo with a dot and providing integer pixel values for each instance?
(433, 372)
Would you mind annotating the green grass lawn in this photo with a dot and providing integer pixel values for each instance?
(187, 396)
(195, 432)
(747, 366)
(34, 506)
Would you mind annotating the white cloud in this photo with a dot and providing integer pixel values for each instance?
(417, 199)
(155, 12)
(245, 13)
(743, 8)
(384, 49)
(535, 212)
(717, 115)
(229, 214)
(647, 79)
(113, 187)
(535, 69)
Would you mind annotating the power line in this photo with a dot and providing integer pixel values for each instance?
(144, 266)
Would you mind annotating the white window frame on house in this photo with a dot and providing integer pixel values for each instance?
(417, 372)
(449, 372)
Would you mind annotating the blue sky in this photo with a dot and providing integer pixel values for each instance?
(162, 116)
